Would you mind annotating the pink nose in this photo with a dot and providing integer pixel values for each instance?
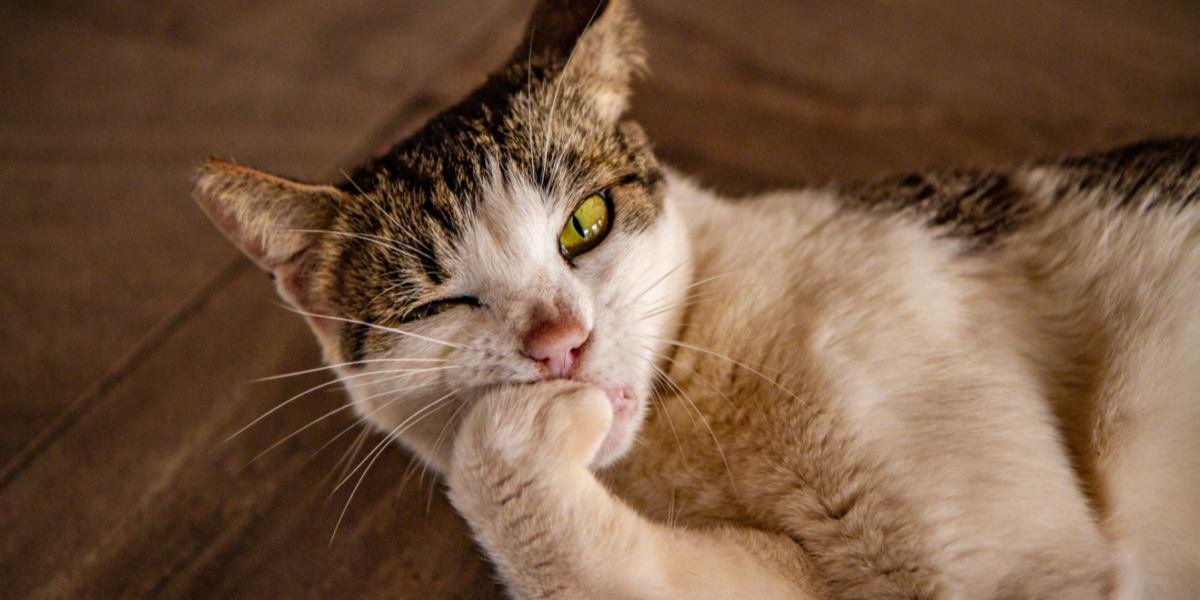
(557, 346)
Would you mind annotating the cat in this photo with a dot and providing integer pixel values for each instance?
(965, 384)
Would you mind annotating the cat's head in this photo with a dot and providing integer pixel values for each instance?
(521, 235)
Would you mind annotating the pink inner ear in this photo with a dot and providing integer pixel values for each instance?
(295, 284)
(247, 242)
(260, 213)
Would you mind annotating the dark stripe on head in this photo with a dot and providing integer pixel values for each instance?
(541, 176)
(450, 225)
(356, 343)
(427, 256)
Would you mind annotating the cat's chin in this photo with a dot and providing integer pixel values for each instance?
(626, 417)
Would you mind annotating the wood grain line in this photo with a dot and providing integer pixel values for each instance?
(149, 342)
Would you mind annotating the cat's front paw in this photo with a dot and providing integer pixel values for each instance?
(525, 438)
(546, 425)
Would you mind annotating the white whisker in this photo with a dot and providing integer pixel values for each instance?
(393, 434)
(661, 278)
(729, 403)
(296, 433)
(687, 301)
(378, 451)
(670, 423)
(359, 421)
(346, 364)
(716, 354)
(697, 284)
(379, 327)
(394, 374)
(352, 182)
(381, 241)
(351, 453)
(688, 399)
(310, 390)
(338, 410)
(441, 435)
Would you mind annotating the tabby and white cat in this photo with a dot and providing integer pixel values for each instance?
(962, 385)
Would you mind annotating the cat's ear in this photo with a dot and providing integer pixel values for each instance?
(595, 44)
(272, 220)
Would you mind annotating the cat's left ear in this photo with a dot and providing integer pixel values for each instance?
(274, 221)
(594, 44)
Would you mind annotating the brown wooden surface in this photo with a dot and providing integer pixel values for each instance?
(130, 328)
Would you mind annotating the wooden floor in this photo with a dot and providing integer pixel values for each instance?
(130, 329)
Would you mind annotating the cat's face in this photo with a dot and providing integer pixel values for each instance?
(520, 236)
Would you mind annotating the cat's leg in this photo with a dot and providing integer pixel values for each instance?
(519, 475)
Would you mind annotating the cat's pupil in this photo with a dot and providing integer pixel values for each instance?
(583, 233)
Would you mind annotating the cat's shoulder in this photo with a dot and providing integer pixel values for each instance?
(981, 205)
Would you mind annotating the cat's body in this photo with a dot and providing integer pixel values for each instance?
(1010, 416)
(974, 384)
(1007, 393)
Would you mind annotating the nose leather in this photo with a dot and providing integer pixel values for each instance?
(556, 345)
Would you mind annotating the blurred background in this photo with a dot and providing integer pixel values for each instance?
(130, 329)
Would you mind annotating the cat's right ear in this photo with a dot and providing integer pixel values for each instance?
(274, 221)
(596, 44)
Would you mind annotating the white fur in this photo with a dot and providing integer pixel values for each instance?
(509, 260)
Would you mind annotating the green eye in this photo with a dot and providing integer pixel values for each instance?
(587, 226)
(437, 307)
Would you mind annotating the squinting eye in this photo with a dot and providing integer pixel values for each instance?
(586, 228)
(437, 307)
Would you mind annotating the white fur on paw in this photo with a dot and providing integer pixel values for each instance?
(549, 424)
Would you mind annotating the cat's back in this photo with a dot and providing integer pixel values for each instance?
(1068, 288)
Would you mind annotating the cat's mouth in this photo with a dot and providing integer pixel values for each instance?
(625, 412)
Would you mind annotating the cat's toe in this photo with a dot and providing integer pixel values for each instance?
(543, 425)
